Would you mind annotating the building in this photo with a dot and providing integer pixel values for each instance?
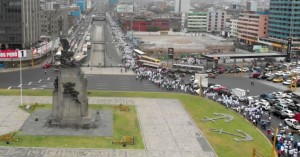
(82, 5)
(54, 23)
(88, 5)
(216, 21)
(113, 3)
(19, 23)
(160, 24)
(182, 6)
(252, 26)
(234, 28)
(284, 22)
(197, 22)
(251, 6)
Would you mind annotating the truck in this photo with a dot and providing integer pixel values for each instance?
(238, 92)
(88, 45)
(87, 38)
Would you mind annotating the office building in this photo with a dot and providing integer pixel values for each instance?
(251, 6)
(234, 28)
(54, 23)
(82, 5)
(216, 21)
(19, 23)
(182, 6)
(252, 27)
(197, 22)
(284, 22)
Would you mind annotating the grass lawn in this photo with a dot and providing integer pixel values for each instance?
(125, 124)
(224, 145)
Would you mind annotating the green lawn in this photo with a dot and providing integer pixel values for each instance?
(198, 108)
(125, 124)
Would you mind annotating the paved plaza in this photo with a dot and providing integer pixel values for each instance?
(167, 129)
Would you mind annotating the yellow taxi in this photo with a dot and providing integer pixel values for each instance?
(278, 80)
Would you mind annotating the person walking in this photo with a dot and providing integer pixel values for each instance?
(45, 71)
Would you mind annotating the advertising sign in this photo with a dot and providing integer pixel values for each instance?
(170, 53)
(8, 53)
(125, 8)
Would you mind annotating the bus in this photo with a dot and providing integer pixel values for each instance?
(150, 59)
(188, 68)
(144, 63)
(138, 53)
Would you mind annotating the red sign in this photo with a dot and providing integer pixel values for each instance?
(9, 54)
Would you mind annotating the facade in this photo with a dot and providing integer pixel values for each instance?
(82, 5)
(197, 22)
(284, 21)
(88, 5)
(145, 25)
(252, 26)
(113, 3)
(54, 23)
(182, 6)
(216, 21)
(19, 23)
(234, 28)
(251, 6)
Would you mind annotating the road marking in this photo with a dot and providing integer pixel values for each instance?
(20, 85)
(9, 87)
(39, 81)
(29, 83)
(48, 78)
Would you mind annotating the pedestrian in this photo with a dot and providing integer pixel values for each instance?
(45, 71)
(121, 70)
(269, 119)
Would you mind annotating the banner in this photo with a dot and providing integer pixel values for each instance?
(9, 54)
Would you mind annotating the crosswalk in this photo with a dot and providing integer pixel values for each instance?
(40, 84)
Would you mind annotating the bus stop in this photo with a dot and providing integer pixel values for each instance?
(216, 59)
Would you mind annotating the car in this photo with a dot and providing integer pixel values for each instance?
(211, 75)
(217, 88)
(287, 113)
(270, 78)
(47, 65)
(278, 80)
(287, 82)
(293, 123)
(281, 106)
(255, 75)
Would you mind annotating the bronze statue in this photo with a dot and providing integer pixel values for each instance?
(66, 59)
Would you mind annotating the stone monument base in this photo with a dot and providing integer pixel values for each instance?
(102, 125)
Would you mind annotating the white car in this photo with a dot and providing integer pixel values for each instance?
(245, 69)
(288, 113)
(287, 82)
(279, 73)
(292, 123)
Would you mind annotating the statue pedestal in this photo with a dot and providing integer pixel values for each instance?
(70, 102)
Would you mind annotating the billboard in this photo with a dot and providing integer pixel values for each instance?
(9, 54)
(260, 49)
(125, 8)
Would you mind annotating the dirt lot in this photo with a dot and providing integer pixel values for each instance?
(193, 44)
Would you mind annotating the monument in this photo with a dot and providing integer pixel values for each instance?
(70, 114)
(70, 102)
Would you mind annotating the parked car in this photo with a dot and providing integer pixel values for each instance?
(278, 80)
(280, 106)
(293, 123)
(270, 78)
(255, 75)
(211, 75)
(287, 113)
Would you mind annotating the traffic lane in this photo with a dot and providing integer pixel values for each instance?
(121, 83)
(28, 75)
(244, 82)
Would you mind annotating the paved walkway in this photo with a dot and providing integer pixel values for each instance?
(167, 129)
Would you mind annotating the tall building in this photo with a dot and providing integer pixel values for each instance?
(19, 23)
(54, 22)
(82, 5)
(252, 26)
(234, 28)
(216, 21)
(284, 21)
(182, 6)
(197, 22)
(251, 6)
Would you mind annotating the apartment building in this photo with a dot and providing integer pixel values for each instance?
(216, 21)
(197, 22)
